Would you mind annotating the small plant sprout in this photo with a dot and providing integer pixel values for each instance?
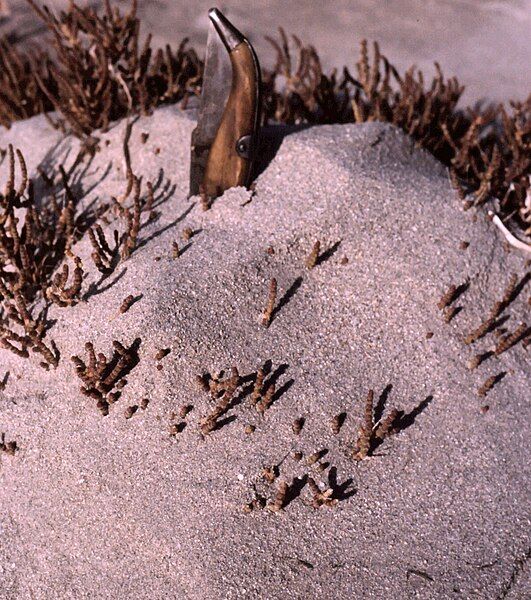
(337, 422)
(489, 383)
(297, 425)
(127, 302)
(185, 410)
(280, 498)
(313, 257)
(130, 411)
(508, 341)
(270, 473)
(370, 435)
(267, 399)
(160, 354)
(7, 447)
(258, 386)
(257, 503)
(321, 498)
(270, 306)
(447, 298)
(315, 457)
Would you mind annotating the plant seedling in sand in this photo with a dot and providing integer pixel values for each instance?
(101, 375)
(127, 302)
(7, 447)
(370, 434)
(280, 497)
(270, 306)
(227, 390)
(313, 258)
(489, 383)
(321, 498)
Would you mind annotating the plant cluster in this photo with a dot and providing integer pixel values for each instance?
(371, 434)
(102, 377)
(493, 321)
(95, 69)
(36, 236)
(37, 233)
(487, 150)
(222, 390)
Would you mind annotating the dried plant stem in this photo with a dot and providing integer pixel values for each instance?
(312, 259)
(364, 438)
(321, 498)
(448, 297)
(127, 302)
(510, 340)
(258, 385)
(385, 428)
(480, 331)
(336, 423)
(280, 498)
(488, 384)
(270, 306)
(267, 399)
(297, 425)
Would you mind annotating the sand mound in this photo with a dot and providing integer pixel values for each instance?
(99, 507)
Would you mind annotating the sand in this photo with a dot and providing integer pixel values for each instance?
(109, 507)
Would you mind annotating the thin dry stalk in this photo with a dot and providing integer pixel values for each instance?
(510, 340)
(488, 384)
(280, 498)
(321, 498)
(258, 386)
(270, 306)
(313, 257)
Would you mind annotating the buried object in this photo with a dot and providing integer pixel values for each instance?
(229, 112)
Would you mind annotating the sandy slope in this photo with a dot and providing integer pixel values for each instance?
(101, 507)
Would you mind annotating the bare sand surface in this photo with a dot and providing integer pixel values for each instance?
(485, 43)
(109, 507)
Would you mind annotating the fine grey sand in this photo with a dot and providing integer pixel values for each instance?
(109, 507)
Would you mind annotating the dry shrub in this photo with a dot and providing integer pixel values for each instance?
(95, 70)
(36, 236)
(20, 94)
(488, 150)
(101, 376)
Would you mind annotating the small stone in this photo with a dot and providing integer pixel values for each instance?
(130, 411)
(162, 353)
(184, 410)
